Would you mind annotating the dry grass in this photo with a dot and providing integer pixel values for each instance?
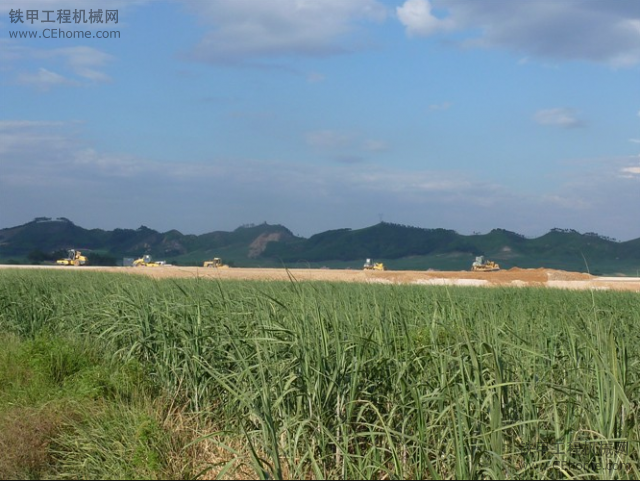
(224, 460)
(25, 438)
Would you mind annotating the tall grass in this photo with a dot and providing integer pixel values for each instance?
(343, 381)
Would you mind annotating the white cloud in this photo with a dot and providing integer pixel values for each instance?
(50, 140)
(83, 62)
(635, 141)
(596, 30)
(559, 117)
(44, 79)
(418, 18)
(245, 30)
(631, 170)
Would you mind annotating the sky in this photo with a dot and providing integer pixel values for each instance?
(323, 114)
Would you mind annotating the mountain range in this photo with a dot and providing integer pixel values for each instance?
(265, 245)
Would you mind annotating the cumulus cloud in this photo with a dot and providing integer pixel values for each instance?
(246, 30)
(558, 117)
(418, 18)
(597, 30)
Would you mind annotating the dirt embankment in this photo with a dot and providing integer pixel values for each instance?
(511, 277)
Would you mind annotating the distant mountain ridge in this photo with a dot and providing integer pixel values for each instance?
(393, 241)
(404, 247)
(48, 235)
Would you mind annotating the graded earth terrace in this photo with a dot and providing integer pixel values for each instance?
(514, 277)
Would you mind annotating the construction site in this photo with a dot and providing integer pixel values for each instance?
(514, 277)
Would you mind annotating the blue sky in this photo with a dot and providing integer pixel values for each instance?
(322, 114)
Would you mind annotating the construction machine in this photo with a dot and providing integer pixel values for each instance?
(74, 258)
(146, 261)
(371, 266)
(216, 262)
(483, 265)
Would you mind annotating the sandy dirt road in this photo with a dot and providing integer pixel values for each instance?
(510, 277)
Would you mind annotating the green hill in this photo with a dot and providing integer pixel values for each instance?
(382, 240)
(43, 237)
(404, 247)
(399, 246)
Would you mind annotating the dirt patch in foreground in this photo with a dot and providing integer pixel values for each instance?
(528, 276)
(510, 277)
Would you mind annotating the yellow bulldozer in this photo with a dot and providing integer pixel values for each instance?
(74, 258)
(373, 266)
(216, 262)
(146, 261)
(483, 265)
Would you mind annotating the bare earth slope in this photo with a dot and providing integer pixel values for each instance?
(511, 277)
